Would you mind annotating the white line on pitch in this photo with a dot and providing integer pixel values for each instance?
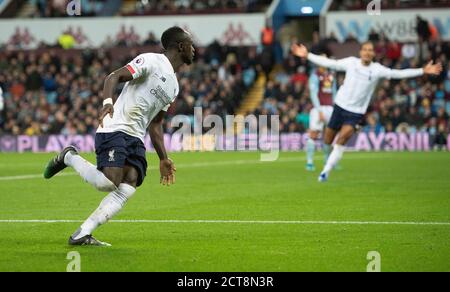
(240, 222)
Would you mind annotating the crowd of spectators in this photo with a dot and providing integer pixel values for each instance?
(54, 94)
(48, 93)
(411, 105)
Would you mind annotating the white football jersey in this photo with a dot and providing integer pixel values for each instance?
(153, 88)
(360, 81)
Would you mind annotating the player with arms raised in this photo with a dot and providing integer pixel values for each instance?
(151, 86)
(353, 97)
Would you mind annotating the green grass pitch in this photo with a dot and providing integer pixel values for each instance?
(236, 187)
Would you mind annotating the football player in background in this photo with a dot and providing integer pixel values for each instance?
(353, 97)
(322, 87)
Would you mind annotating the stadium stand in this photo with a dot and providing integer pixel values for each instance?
(51, 91)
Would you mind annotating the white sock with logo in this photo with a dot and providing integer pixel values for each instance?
(335, 157)
(89, 172)
(110, 206)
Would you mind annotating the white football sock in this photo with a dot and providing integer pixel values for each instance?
(310, 148)
(335, 157)
(110, 206)
(89, 172)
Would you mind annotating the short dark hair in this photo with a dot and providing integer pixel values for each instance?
(367, 43)
(172, 37)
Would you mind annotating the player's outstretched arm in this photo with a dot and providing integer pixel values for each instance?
(111, 81)
(429, 69)
(166, 166)
(302, 52)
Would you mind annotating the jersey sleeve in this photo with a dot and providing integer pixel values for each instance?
(141, 65)
(338, 65)
(388, 73)
(345, 64)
